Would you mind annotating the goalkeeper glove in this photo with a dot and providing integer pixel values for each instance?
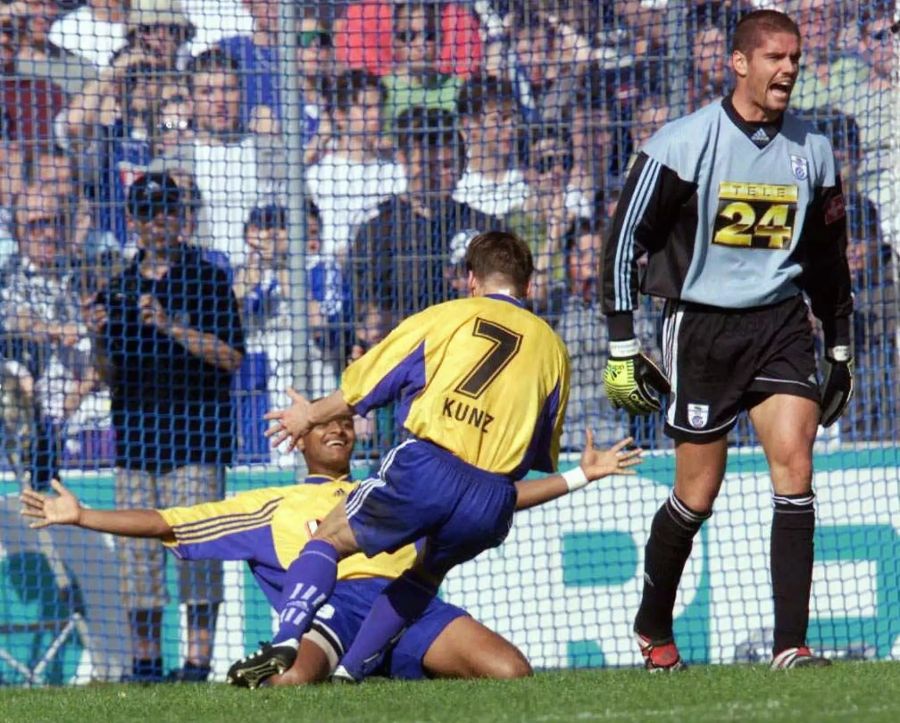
(837, 388)
(631, 380)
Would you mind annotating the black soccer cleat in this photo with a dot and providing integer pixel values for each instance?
(801, 657)
(261, 665)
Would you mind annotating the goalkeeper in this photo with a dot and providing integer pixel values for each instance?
(739, 211)
(266, 527)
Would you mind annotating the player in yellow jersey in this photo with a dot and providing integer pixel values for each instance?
(266, 527)
(480, 385)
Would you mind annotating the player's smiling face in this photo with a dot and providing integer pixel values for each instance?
(766, 77)
(327, 447)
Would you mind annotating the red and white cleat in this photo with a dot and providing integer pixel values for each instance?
(660, 655)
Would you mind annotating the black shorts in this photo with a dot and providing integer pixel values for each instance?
(720, 360)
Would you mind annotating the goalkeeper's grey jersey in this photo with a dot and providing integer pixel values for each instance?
(731, 214)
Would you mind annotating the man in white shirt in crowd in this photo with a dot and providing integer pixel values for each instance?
(223, 155)
(350, 182)
(492, 182)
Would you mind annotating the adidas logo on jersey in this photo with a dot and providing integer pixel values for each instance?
(760, 137)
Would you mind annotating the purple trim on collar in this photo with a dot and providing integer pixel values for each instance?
(504, 297)
(320, 479)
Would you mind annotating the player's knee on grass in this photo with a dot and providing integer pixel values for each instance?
(468, 649)
(510, 665)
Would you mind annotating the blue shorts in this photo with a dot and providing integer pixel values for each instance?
(423, 490)
(339, 620)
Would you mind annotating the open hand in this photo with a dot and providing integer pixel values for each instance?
(63, 509)
(292, 423)
(615, 460)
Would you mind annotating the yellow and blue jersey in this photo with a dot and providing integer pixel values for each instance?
(481, 377)
(268, 527)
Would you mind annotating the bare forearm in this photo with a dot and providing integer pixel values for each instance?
(128, 523)
(208, 347)
(531, 493)
(334, 405)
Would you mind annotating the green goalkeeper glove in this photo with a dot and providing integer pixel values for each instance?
(632, 381)
(837, 388)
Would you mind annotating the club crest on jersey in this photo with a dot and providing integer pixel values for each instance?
(698, 415)
(800, 167)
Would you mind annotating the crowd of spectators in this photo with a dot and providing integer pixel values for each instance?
(422, 122)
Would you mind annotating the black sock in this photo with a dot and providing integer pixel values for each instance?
(148, 670)
(666, 553)
(793, 525)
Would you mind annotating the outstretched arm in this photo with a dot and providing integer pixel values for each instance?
(595, 464)
(65, 509)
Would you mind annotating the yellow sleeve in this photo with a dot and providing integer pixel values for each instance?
(393, 368)
(229, 529)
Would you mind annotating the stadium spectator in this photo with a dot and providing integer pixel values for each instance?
(57, 173)
(169, 339)
(740, 342)
(709, 78)
(415, 79)
(585, 336)
(647, 48)
(330, 308)
(174, 126)
(400, 256)
(114, 142)
(865, 93)
(161, 29)
(29, 104)
(549, 64)
(223, 155)
(349, 182)
(449, 481)
(819, 23)
(872, 412)
(640, 18)
(12, 172)
(365, 37)
(256, 60)
(192, 229)
(593, 145)
(492, 183)
(650, 114)
(95, 31)
(39, 57)
(548, 220)
(34, 41)
(317, 68)
(262, 287)
(40, 313)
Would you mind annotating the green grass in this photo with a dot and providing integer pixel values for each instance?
(845, 692)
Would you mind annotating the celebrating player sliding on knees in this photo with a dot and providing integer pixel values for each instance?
(451, 481)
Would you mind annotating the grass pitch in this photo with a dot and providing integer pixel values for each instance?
(844, 692)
